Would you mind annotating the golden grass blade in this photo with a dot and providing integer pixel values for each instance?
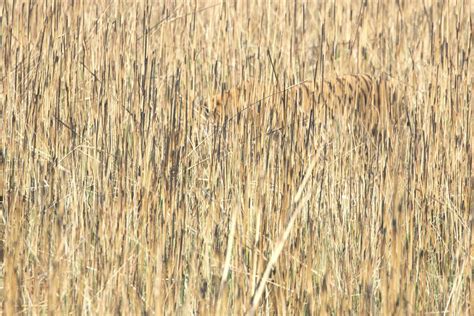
(298, 205)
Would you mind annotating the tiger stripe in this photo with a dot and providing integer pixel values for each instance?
(366, 96)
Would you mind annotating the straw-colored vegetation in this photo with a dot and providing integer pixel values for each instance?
(211, 157)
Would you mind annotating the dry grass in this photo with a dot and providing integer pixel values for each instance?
(121, 194)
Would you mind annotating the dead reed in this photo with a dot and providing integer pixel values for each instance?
(121, 194)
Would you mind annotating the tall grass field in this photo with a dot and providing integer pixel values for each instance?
(264, 157)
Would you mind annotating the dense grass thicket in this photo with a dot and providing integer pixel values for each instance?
(124, 192)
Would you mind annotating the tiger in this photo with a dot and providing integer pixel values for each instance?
(370, 99)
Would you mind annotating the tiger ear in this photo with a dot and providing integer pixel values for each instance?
(219, 103)
(213, 105)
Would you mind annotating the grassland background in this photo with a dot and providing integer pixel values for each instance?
(121, 195)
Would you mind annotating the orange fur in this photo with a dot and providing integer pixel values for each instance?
(363, 96)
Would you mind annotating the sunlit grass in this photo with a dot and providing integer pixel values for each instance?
(124, 192)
